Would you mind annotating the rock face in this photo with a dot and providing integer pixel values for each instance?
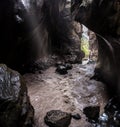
(15, 107)
(31, 29)
(103, 17)
(57, 118)
(110, 116)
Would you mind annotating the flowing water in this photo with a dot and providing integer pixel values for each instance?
(71, 92)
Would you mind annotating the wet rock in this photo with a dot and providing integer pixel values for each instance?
(61, 69)
(103, 117)
(111, 116)
(57, 118)
(76, 116)
(59, 63)
(68, 66)
(113, 105)
(15, 107)
(92, 113)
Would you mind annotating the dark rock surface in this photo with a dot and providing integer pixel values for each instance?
(92, 112)
(62, 68)
(76, 116)
(15, 107)
(68, 66)
(57, 118)
(103, 18)
(110, 116)
(32, 29)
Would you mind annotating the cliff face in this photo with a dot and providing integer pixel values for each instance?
(103, 17)
(17, 45)
(31, 29)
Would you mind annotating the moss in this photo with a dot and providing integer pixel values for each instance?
(85, 47)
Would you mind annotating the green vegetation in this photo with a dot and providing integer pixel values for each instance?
(85, 47)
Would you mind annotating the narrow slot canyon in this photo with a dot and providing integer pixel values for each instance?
(59, 63)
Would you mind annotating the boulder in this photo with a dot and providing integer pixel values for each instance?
(15, 107)
(61, 70)
(57, 118)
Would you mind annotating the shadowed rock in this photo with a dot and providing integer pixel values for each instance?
(33, 29)
(61, 70)
(15, 107)
(92, 112)
(63, 67)
(76, 116)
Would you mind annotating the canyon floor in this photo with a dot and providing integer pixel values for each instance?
(71, 93)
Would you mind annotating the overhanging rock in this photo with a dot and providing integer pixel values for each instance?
(103, 17)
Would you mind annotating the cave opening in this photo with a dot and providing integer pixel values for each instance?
(89, 45)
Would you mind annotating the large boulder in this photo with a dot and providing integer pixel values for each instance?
(15, 107)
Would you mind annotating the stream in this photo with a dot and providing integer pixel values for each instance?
(71, 93)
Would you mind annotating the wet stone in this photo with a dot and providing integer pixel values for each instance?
(92, 113)
(111, 115)
(117, 116)
(57, 118)
(61, 69)
(76, 116)
(15, 107)
(103, 117)
(68, 66)
(113, 105)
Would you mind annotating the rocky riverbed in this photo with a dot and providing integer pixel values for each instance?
(71, 93)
